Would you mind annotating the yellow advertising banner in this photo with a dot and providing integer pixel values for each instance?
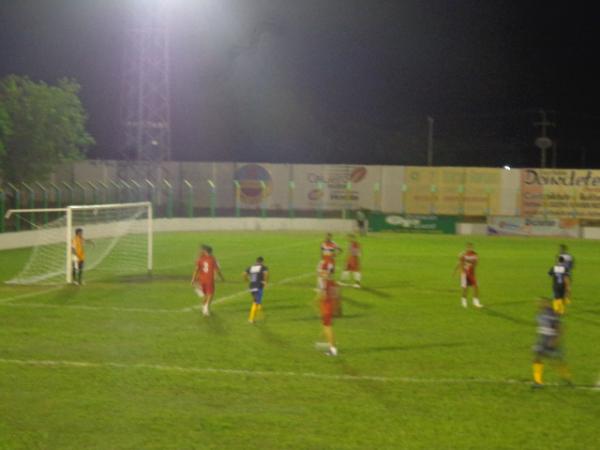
(452, 190)
(560, 193)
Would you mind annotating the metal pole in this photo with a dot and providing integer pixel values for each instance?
(321, 200)
(263, 207)
(488, 208)
(83, 196)
(105, 193)
(213, 197)
(117, 196)
(292, 186)
(150, 195)
(17, 195)
(129, 191)
(347, 206)
(70, 191)
(44, 200)
(138, 197)
(2, 208)
(94, 193)
(57, 195)
(169, 198)
(237, 197)
(190, 202)
(433, 199)
(31, 196)
(377, 197)
(429, 140)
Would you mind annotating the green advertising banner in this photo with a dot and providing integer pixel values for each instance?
(412, 223)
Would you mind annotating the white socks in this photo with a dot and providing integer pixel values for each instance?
(476, 302)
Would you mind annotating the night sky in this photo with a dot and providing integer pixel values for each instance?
(338, 81)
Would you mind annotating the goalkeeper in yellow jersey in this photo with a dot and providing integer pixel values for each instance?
(78, 256)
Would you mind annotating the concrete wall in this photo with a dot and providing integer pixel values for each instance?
(316, 186)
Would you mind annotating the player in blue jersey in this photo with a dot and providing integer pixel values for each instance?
(560, 285)
(569, 264)
(569, 261)
(549, 332)
(258, 276)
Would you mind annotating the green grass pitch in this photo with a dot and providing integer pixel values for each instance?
(130, 364)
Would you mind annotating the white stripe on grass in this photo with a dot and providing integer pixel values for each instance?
(245, 291)
(4, 302)
(29, 294)
(268, 373)
(93, 308)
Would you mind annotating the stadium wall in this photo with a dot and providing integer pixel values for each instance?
(334, 187)
(185, 189)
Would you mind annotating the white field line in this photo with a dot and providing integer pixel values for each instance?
(245, 291)
(93, 308)
(4, 302)
(29, 294)
(268, 373)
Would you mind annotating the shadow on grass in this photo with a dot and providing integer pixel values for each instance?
(65, 295)
(267, 335)
(581, 319)
(149, 278)
(500, 315)
(513, 302)
(356, 303)
(402, 348)
(214, 324)
(376, 292)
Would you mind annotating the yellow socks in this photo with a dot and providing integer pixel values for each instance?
(538, 371)
(558, 306)
(253, 312)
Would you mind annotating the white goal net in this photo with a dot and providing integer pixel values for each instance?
(117, 241)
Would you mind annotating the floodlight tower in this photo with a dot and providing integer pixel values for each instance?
(145, 99)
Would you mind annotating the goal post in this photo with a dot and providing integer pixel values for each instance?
(119, 241)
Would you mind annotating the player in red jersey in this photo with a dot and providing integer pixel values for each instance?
(329, 251)
(467, 262)
(204, 277)
(328, 297)
(353, 262)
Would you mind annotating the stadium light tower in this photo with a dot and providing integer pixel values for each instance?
(145, 98)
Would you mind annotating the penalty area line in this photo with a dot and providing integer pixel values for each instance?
(92, 308)
(246, 291)
(268, 373)
(30, 294)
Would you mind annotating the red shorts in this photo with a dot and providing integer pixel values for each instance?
(353, 265)
(208, 288)
(468, 279)
(326, 312)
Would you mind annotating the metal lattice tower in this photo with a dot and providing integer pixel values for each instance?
(145, 100)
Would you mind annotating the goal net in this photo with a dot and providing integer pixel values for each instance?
(117, 242)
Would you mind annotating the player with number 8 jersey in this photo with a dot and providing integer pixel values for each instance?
(204, 277)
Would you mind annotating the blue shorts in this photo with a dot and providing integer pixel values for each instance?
(257, 294)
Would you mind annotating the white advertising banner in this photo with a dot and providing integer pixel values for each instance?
(335, 186)
(532, 226)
